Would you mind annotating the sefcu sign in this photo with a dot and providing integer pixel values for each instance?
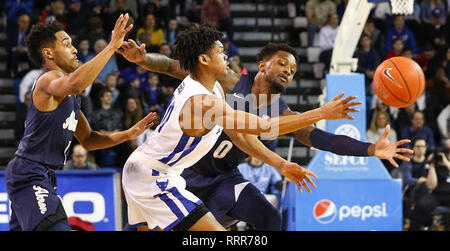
(93, 196)
(353, 193)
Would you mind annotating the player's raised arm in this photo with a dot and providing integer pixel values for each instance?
(58, 84)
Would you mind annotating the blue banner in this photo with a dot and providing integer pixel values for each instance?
(331, 166)
(93, 196)
(346, 205)
(353, 193)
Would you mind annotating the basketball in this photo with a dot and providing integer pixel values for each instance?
(399, 81)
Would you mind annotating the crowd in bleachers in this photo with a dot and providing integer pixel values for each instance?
(124, 92)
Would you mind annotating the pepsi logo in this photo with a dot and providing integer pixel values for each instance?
(325, 211)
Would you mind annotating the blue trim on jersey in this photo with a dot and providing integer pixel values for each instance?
(180, 147)
(189, 205)
(174, 208)
(187, 151)
(155, 173)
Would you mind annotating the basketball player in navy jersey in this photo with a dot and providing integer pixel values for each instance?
(53, 118)
(215, 178)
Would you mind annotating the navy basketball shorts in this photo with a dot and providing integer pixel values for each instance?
(220, 193)
(35, 205)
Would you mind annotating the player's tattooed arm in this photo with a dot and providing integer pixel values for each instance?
(160, 63)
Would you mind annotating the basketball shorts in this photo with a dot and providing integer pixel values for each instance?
(31, 186)
(220, 193)
(157, 197)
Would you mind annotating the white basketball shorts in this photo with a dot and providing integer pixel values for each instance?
(158, 197)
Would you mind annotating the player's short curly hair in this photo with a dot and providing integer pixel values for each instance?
(196, 40)
(41, 35)
(271, 48)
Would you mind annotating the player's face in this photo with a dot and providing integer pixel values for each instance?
(65, 54)
(219, 63)
(279, 70)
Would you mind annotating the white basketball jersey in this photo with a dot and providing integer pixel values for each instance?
(168, 143)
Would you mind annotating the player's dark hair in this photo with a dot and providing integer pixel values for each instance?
(196, 40)
(270, 49)
(41, 35)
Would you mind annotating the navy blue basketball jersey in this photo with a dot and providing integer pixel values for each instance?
(48, 135)
(224, 156)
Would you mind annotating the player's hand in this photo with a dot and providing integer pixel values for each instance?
(132, 52)
(119, 32)
(385, 149)
(142, 125)
(298, 174)
(339, 108)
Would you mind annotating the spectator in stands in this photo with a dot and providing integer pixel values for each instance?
(317, 14)
(419, 129)
(166, 50)
(173, 7)
(109, 119)
(133, 113)
(396, 50)
(153, 29)
(27, 83)
(438, 182)
(374, 33)
(16, 8)
(404, 117)
(84, 53)
(159, 10)
(368, 61)
(435, 29)
(76, 19)
(444, 123)
(377, 126)
(111, 83)
(399, 30)
(414, 176)
(171, 32)
(425, 57)
(131, 89)
(17, 51)
(229, 48)
(55, 12)
(327, 36)
(217, 14)
(92, 32)
(407, 52)
(382, 16)
(266, 178)
(154, 95)
(79, 160)
(111, 65)
(428, 9)
(194, 14)
(135, 70)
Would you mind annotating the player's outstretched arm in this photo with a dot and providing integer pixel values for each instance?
(59, 85)
(219, 112)
(94, 140)
(252, 146)
(344, 145)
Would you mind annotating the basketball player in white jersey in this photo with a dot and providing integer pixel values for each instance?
(154, 190)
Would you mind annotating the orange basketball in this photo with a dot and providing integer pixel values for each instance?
(399, 81)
